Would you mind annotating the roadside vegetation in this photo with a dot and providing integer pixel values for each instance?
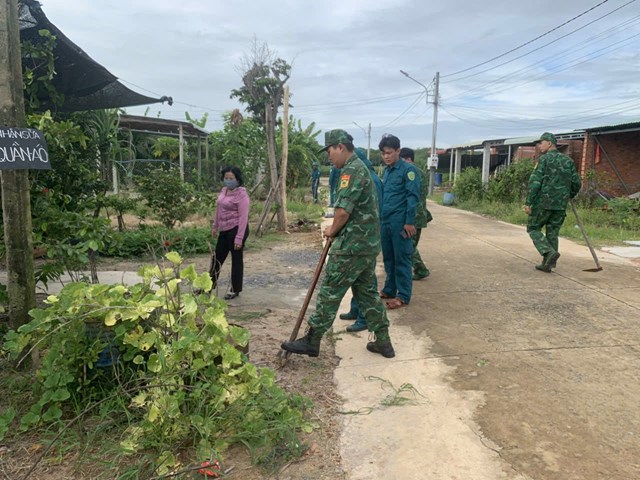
(607, 222)
(148, 380)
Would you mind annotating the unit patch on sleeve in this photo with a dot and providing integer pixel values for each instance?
(411, 176)
(344, 181)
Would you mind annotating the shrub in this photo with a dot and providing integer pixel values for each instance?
(170, 199)
(469, 185)
(173, 358)
(511, 183)
(158, 239)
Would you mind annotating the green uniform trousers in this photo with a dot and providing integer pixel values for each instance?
(552, 220)
(358, 273)
(419, 268)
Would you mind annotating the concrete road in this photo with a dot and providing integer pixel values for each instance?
(520, 374)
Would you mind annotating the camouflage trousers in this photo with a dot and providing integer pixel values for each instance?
(552, 221)
(419, 268)
(358, 273)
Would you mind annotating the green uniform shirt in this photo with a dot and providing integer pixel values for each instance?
(553, 182)
(423, 216)
(356, 194)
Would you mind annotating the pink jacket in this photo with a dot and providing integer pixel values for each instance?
(232, 210)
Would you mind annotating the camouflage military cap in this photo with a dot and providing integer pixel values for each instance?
(549, 137)
(334, 137)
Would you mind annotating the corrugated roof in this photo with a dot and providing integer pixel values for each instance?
(160, 126)
(619, 126)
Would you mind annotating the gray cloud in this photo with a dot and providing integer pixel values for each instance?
(346, 57)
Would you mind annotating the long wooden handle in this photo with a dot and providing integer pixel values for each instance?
(312, 287)
(584, 234)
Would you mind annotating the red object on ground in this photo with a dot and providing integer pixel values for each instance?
(210, 469)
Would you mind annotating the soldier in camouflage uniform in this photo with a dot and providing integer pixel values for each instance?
(423, 216)
(356, 243)
(552, 183)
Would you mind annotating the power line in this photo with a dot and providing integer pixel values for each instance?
(540, 47)
(527, 43)
(406, 110)
(566, 66)
(558, 67)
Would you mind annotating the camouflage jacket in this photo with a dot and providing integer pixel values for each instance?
(356, 193)
(423, 215)
(553, 182)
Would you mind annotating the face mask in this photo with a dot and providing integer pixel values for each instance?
(230, 184)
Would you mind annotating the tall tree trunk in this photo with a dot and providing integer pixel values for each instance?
(285, 155)
(270, 127)
(16, 202)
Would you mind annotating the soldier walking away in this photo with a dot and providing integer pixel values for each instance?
(352, 259)
(553, 182)
(423, 216)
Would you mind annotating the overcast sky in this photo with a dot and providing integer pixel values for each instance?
(347, 56)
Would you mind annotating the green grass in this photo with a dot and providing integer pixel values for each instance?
(603, 227)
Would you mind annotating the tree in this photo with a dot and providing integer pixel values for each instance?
(303, 151)
(240, 143)
(16, 202)
(263, 78)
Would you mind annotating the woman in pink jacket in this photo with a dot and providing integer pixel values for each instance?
(231, 225)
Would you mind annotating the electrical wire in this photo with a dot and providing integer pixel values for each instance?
(562, 54)
(406, 110)
(526, 43)
(535, 49)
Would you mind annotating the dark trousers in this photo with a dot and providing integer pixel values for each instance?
(225, 245)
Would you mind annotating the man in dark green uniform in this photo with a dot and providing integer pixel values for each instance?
(423, 216)
(315, 181)
(401, 191)
(356, 243)
(553, 182)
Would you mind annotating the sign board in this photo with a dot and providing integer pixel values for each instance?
(433, 161)
(23, 148)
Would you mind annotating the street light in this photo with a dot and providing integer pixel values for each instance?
(368, 134)
(433, 160)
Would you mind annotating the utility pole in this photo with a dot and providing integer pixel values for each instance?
(433, 159)
(367, 132)
(16, 202)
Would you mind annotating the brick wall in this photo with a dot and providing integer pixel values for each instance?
(623, 150)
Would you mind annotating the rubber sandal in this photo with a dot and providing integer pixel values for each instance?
(231, 295)
(395, 303)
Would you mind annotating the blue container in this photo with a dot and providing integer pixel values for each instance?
(448, 198)
(438, 180)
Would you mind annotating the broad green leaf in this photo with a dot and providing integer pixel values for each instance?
(5, 420)
(111, 318)
(60, 395)
(153, 364)
(190, 305)
(53, 413)
(138, 359)
(139, 400)
(189, 273)
(204, 282)
(239, 335)
(174, 257)
(154, 413)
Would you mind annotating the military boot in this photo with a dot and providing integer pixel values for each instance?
(307, 345)
(549, 261)
(382, 344)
